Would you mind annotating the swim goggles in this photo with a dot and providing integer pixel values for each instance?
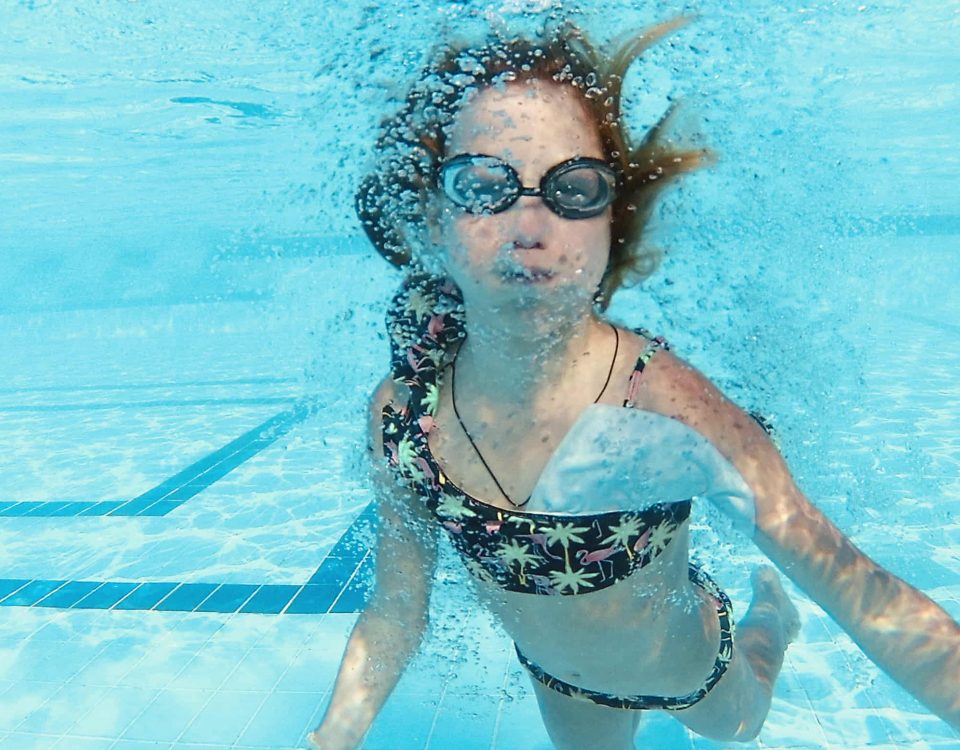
(574, 189)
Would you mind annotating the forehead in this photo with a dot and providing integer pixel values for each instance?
(525, 122)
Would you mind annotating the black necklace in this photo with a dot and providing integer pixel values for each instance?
(453, 398)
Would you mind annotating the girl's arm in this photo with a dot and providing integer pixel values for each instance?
(902, 631)
(391, 627)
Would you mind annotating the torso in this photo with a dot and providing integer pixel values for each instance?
(583, 638)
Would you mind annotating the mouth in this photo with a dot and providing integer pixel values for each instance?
(525, 275)
(515, 272)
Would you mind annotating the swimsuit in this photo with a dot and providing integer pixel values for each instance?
(524, 551)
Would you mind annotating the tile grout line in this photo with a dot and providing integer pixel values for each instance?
(197, 652)
(55, 693)
(272, 691)
(500, 707)
(303, 647)
(217, 690)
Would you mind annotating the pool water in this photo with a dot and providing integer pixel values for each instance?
(191, 325)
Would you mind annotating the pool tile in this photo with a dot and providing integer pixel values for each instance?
(355, 596)
(466, 725)
(336, 571)
(270, 599)
(282, 721)
(83, 743)
(67, 509)
(58, 714)
(101, 508)
(27, 741)
(223, 718)
(210, 667)
(404, 722)
(260, 669)
(10, 585)
(167, 717)
(186, 597)
(314, 598)
(32, 593)
(117, 709)
(123, 744)
(228, 598)
(106, 595)
(146, 596)
(160, 508)
(159, 668)
(28, 697)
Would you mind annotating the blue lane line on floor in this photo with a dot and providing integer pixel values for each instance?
(157, 403)
(146, 385)
(176, 490)
(342, 583)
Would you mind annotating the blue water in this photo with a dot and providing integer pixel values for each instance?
(190, 327)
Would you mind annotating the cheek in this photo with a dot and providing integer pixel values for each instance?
(587, 244)
(470, 239)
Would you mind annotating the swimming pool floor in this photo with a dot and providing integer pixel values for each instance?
(183, 549)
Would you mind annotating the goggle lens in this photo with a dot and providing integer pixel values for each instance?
(575, 189)
(480, 185)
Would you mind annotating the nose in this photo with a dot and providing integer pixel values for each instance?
(529, 223)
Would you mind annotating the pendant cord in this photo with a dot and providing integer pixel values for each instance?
(453, 398)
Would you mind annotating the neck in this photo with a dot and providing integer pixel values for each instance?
(510, 357)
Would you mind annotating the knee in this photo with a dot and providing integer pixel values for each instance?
(738, 719)
(742, 731)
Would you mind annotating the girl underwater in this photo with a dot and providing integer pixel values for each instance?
(560, 453)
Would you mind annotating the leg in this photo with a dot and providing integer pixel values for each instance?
(577, 725)
(738, 705)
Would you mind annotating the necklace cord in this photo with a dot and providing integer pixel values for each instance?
(453, 398)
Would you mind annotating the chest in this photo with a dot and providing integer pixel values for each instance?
(495, 463)
(498, 453)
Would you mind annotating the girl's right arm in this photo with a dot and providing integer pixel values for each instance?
(391, 627)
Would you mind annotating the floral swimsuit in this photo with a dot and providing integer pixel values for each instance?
(526, 552)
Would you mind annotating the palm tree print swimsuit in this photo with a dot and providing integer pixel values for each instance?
(527, 552)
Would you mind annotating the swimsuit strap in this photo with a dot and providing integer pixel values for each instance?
(424, 320)
(654, 344)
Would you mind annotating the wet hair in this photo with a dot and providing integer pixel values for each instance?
(392, 200)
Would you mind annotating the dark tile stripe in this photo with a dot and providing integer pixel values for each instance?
(185, 484)
(106, 595)
(342, 583)
(158, 403)
(146, 596)
(186, 597)
(9, 586)
(229, 597)
(66, 596)
(145, 386)
(33, 592)
(270, 599)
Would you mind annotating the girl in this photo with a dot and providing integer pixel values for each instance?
(561, 453)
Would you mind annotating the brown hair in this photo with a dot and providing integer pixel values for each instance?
(412, 142)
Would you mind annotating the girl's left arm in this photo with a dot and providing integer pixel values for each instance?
(901, 629)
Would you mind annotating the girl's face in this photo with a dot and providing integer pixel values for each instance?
(526, 252)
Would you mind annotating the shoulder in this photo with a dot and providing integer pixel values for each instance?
(387, 393)
(674, 388)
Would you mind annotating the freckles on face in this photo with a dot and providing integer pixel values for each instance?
(532, 127)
